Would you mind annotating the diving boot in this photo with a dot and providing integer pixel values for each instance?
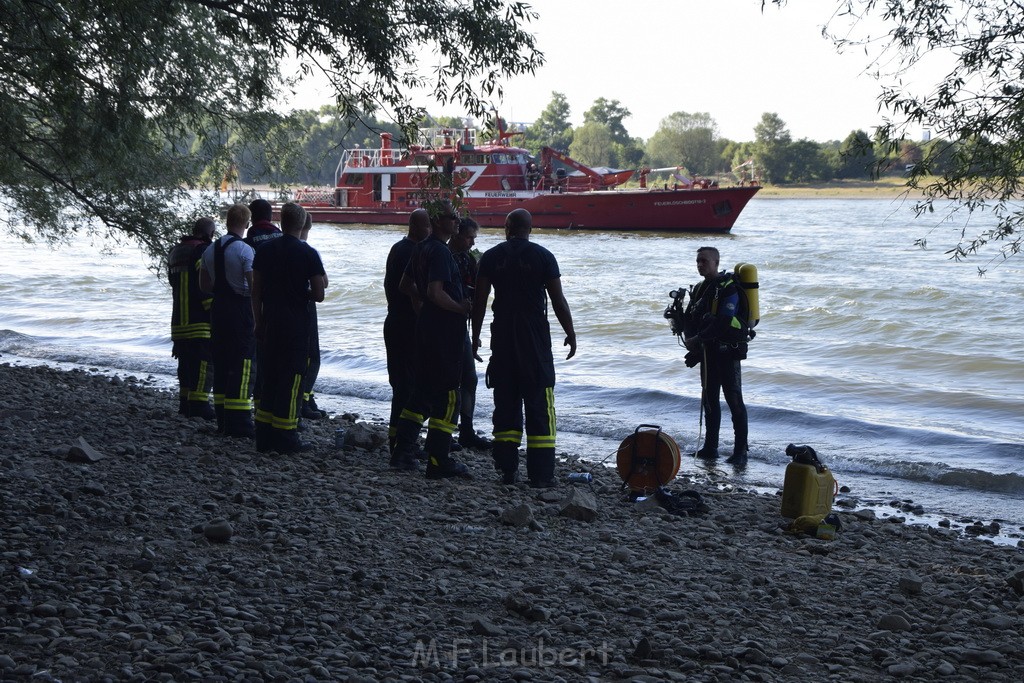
(707, 453)
(738, 457)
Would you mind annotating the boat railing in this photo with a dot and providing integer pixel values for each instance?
(436, 138)
(363, 158)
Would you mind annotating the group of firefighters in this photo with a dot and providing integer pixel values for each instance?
(243, 324)
(246, 305)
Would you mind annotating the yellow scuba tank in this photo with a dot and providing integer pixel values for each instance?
(746, 275)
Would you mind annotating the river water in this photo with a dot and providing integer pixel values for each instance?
(902, 368)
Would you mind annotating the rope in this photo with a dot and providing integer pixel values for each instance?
(703, 389)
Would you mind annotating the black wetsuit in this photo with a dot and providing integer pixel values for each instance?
(713, 305)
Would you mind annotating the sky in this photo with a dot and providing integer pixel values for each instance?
(723, 57)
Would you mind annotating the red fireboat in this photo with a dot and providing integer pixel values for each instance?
(487, 180)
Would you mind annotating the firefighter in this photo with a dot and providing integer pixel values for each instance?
(190, 321)
(227, 273)
(287, 275)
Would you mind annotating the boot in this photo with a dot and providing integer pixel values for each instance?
(310, 411)
(264, 437)
(506, 461)
(287, 441)
(239, 423)
(470, 439)
(201, 409)
(739, 456)
(403, 459)
(709, 452)
(540, 467)
(446, 468)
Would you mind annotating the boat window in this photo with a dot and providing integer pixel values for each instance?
(354, 179)
(422, 160)
(722, 208)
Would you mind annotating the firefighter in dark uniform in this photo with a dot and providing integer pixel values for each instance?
(461, 244)
(433, 278)
(287, 275)
(227, 272)
(310, 410)
(260, 232)
(190, 321)
(709, 322)
(400, 323)
(521, 370)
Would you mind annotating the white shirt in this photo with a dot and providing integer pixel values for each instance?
(237, 262)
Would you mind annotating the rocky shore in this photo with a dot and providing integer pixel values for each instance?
(140, 546)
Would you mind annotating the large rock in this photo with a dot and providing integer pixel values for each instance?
(579, 505)
(910, 583)
(360, 435)
(83, 452)
(1016, 582)
(218, 531)
(520, 515)
(893, 622)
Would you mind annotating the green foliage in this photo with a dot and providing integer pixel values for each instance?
(771, 147)
(688, 140)
(552, 127)
(628, 155)
(592, 144)
(856, 156)
(113, 111)
(808, 162)
(975, 110)
(626, 151)
(610, 113)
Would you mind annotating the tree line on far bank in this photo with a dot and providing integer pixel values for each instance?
(690, 141)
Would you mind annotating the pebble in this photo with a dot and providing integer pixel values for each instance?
(218, 531)
(182, 555)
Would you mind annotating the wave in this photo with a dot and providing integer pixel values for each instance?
(602, 415)
(944, 475)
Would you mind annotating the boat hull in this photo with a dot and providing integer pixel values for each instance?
(702, 210)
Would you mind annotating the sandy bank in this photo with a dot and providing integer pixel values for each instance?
(182, 555)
